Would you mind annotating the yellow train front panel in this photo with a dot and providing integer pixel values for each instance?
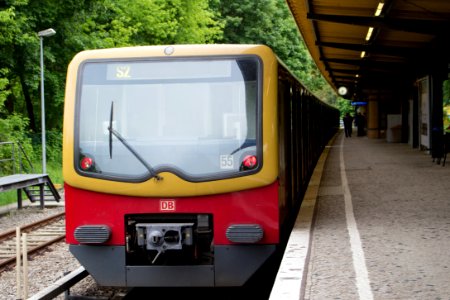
(171, 121)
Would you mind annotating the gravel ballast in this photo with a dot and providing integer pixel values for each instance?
(46, 267)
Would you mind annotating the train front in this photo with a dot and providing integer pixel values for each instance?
(170, 164)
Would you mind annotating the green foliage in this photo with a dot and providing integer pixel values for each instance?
(91, 24)
(8, 197)
(344, 106)
(54, 147)
(446, 104)
(12, 128)
(446, 92)
(83, 24)
(247, 21)
(80, 25)
(4, 92)
(270, 22)
(196, 22)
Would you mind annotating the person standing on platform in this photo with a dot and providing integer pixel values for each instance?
(360, 122)
(348, 120)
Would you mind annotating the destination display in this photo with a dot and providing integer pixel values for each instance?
(169, 70)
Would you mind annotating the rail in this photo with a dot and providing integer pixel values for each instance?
(61, 285)
(43, 240)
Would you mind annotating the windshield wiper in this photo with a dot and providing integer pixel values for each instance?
(128, 146)
(247, 143)
(110, 129)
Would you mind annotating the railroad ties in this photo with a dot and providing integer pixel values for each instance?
(40, 235)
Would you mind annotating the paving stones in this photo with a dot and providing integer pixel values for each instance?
(401, 202)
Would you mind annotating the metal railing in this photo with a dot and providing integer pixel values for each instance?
(13, 159)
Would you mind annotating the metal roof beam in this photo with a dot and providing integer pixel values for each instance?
(353, 62)
(373, 76)
(388, 50)
(365, 66)
(344, 77)
(366, 63)
(344, 71)
(409, 25)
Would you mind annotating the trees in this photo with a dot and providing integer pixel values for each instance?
(344, 106)
(80, 25)
(270, 22)
(89, 24)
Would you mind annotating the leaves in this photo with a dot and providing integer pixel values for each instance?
(270, 22)
(80, 25)
(91, 24)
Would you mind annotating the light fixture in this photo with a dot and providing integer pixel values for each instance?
(46, 32)
(369, 33)
(370, 30)
(379, 9)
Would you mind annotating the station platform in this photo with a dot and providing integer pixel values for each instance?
(374, 224)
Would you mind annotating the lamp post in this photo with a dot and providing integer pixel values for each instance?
(42, 34)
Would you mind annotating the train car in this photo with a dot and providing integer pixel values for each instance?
(182, 164)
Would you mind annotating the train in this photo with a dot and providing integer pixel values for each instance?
(184, 164)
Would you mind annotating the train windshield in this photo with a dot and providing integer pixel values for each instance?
(198, 119)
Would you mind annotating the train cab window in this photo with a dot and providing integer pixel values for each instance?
(197, 118)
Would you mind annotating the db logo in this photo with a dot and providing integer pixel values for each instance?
(167, 205)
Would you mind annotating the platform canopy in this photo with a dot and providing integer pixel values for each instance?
(374, 45)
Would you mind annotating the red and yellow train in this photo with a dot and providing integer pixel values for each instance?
(183, 163)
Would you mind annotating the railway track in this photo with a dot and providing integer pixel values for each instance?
(40, 235)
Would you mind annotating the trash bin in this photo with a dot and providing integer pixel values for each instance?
(437, 145)
(394, 134)
(394, 128)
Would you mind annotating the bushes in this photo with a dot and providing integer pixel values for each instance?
(12, 129)
(53, 141)
(33, 148)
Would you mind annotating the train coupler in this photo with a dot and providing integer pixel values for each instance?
(164, 236)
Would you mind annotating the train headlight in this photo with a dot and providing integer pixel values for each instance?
(86, 163)
(249, 162)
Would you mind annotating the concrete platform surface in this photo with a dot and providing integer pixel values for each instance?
(380, 230)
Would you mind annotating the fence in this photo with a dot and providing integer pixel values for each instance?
(13, 159)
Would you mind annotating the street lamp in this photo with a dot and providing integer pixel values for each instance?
(42, 34)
